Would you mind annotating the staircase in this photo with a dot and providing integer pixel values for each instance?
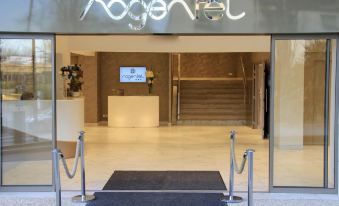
(212, 102)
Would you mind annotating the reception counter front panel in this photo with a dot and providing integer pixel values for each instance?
(133, 111)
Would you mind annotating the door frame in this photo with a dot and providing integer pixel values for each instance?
(290, 189)
(34, 188)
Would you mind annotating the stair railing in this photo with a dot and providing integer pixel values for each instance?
(244, 80)
(79, 153)
(179, 89)
(248, 154)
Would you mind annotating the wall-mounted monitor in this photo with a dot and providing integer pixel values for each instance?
(132, 74)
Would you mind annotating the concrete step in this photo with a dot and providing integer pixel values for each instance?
(211, 117)
(212, 101)
(212, 111)
(212, 122)
(227, 106)
(212, 96)
(212, 86)
(216, 82)
(212, 91)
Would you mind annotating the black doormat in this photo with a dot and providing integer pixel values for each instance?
(165, 180)
(156, 199)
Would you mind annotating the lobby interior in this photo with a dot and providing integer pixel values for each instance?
(206, 87)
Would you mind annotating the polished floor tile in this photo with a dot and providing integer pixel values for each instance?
(187, 148)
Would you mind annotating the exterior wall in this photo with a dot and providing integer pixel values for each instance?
(243, 17)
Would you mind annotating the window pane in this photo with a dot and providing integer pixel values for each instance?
(299, 113)
(26, 130)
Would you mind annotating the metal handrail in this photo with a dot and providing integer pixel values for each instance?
(248, 154)
(179, 88)
(244, 79)
(80, 153)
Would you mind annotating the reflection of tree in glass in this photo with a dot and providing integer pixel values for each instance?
(318, 45)
(26, 66)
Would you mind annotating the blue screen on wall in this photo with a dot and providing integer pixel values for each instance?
(132, 74)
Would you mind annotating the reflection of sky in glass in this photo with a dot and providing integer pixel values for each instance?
(19, 51)
(42, 51)
(17, 47)
(16, 51)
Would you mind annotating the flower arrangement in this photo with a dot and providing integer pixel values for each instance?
(150, 80)
(73, 80)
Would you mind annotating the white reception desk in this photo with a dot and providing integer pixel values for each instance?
(133, 111)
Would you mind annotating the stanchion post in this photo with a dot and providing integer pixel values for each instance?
(231, 193)
(231, 198)
(55, 156)
(250, 153)
(83, 176)
(83, 197)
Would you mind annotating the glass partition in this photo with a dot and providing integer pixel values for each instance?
(27, 67)
(303, 144)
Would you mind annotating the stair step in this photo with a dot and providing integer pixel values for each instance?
(213, 91)
(217, 106)
(212, 122)
(211, 117)
(211, 86)
(212, 101)
(220, 82)
(213, 111)
(212, 96)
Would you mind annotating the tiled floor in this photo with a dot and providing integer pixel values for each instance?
(195, 148)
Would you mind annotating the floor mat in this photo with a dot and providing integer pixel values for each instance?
(156, 199)
(165, 180)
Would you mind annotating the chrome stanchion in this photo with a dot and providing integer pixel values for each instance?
(234, 167)
(230, 198)
(57, 155)
(250, 153)
(83, 197)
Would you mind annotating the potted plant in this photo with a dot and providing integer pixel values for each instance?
(150, 76)
(73, 75)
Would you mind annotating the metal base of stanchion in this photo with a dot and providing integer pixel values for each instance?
(83, 199)
(233, 199)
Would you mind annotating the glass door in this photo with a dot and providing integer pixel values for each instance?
(27, 111)
(303, 140)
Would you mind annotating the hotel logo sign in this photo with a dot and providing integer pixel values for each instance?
(157, 10)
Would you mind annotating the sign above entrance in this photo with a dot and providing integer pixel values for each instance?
(169, 17)
(139, 10)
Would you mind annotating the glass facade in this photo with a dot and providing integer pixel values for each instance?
(304, 98)
(303, 141)
(26, 110)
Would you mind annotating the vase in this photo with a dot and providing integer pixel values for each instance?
(76, 94)
(150, 89)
